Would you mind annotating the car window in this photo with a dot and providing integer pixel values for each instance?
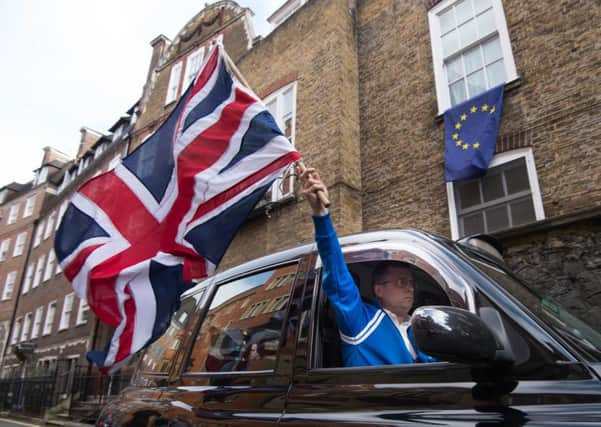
(243, 326)
(159, 357)
(327, 348)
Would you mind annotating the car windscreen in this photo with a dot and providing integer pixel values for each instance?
(572, 329)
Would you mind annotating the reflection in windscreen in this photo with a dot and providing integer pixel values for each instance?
(241, 331)
(568, 326)
(161, 354)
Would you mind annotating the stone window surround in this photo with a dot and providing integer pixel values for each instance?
(440, 75)
(497, 160)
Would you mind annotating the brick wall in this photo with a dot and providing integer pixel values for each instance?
(552, 109)
(317, 46)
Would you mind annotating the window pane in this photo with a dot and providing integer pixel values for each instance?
(480, 5)
(288, 102)
(160, 355)
(468, 193)
(468, 32)
(450, 43)
(447, 21)
(496, 73)
(458, 92)
(463, 10)
(454, 69)
(492, 187)
(492, 50)
(475, 83)
(517, 177)
(497, 218)
(473, 60)
(522, 212)
(242, 330)
(486, 23)
(473, 224)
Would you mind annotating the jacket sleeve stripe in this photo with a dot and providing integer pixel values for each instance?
(366, 332)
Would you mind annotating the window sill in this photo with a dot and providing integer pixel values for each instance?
(510, 86)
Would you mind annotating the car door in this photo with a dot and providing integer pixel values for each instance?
(440, 393)
(238, 368)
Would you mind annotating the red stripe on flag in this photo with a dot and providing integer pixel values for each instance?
(72, 269)
(232, 192)
(122, 206)
(199, 155)
(102, 298)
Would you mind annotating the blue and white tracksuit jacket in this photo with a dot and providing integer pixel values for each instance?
(368, 333)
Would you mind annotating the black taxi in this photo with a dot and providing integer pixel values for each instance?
(258, 345)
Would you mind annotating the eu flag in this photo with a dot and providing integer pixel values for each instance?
(470, 130)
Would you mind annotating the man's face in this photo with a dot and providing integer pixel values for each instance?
(394, 289)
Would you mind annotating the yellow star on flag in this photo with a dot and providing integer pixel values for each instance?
(476, 145)
(464, 116)
(492, 109)
(474, 109)
(457, 125)
(458, 143)
(466, 146)
(485, 107)
(455, 136)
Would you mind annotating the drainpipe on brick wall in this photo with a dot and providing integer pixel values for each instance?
(18, 293)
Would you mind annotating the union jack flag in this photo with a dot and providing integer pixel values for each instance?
(133, 238)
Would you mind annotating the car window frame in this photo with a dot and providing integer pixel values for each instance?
(415, 255)
(220, 281)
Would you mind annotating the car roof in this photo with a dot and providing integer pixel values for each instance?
(416, 236)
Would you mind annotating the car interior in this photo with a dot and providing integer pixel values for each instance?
(329, 355)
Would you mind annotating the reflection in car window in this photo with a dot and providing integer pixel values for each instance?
(242, 329)
(568, 326)
(159, 357)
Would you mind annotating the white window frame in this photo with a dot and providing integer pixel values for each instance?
(29, 205)
(82, 309)
(278, 95)
(49, 225)
(39, 270)
(37, 322)
(49, 266)
(174, 79)
(25, 329)
(66, 312)
(41, 175)
(28, 278)
(9, 286)
(193, 63)
(61, 213)
(4, 246)
(50, 316)
(38, 234)
(13, 214)
(498, 160)
(16, 330)
(440, 75)
(20, 244)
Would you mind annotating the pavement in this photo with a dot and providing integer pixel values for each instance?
(35, 422)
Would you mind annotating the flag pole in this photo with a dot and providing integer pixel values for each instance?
(230, 64)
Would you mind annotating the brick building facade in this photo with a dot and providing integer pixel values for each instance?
(360, 88)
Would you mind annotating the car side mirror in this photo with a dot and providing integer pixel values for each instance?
(453, 334)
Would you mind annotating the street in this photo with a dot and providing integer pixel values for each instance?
(4, 422)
